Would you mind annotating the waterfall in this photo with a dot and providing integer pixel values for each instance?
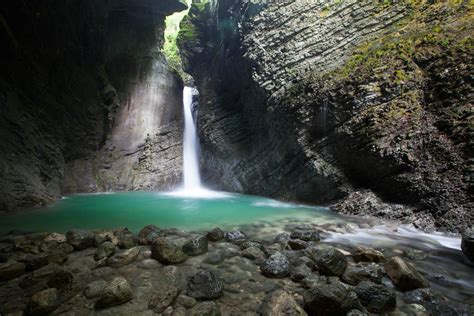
(192, 178)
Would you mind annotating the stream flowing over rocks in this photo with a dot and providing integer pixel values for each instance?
(83, 273)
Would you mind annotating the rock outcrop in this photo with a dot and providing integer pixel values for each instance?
(87, 101)
(314, 102)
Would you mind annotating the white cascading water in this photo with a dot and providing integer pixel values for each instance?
(192, 178)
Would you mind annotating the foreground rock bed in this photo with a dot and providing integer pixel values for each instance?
(173, 272)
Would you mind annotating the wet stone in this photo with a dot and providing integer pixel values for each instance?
(300, 272)
(10, 270)
(166, 251)
(215, 235)
(163, 298)
(354, 274)
(215, 257)
(148, 234)
(404, 275)
(205, 285)
(377, 298)
(467, 243)
(253, 253)
(104, 250)
(43, 302)
(329, 260)
(279, 302)
(197, 245)
(80, 239)
(235, 237)
(305, 235)
(365, 254)
(205, 309)
(123, 258)
(276, 266)
(95, 289)
(331, 299)
(117, 292)
(297, 244)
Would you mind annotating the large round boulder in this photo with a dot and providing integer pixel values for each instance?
(43, 302)
(365, 254)
(404, 275)
(377, 298)
(105, 250)
(80, 239)
(329, 260)
(276, 266)
(354, 274)
(235, 237)
(197, 245)
(205, 285)
(166, 251)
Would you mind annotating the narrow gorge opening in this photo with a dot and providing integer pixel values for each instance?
(234, 157)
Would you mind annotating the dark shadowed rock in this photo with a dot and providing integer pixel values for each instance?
(205, 309)
(215, 235)
(80, 239)
(297, 244)
(235, 237)
(95, 289)
(365, 254)
(362, 272)
(277, 266)
(117, 292)
(62, 280)
(279, 302)
(404, 275)
(377, 298)
(127, 241)
(467, 243)
(331, 299)
(104, 250)
(11, 269)
(281, 238)
(43, 302)
(329, 260)
(148, 234)
(196, 245)
(205, 285)
(306, 235)
(433, 303)
(166, 251)
(163, 298)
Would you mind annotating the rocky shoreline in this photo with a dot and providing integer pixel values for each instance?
(173, 272)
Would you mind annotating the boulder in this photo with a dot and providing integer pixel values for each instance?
(331, 299)
(297, 244)
(148, 234)
(166, 251)
(80, 239)
(276, 266)
(404, 275)
(249, 243)
(205, 309)
(235, 237)
(61, 280)
(467, 243)
(117, 292)
(205, 285)
(365, 254)
(95, 289)
(433, 303)
(253, 253)
(300, 272)
(279, 302)
(215, 235)
(306, 235)
(377, 298)
(11, 269)
(103, 236)
(105, 250)
(197, 245)
(123, 258)
(163, 298)
(127, 241)
(281, 238)
(330, 261)
(43, 302)
(354, 274)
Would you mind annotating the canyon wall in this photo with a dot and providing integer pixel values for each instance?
(78, 79)
(326, 101)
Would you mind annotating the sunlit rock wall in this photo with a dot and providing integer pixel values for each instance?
(70, 84)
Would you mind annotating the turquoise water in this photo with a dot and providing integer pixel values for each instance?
(137, 209)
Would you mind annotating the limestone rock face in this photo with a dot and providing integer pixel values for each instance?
(312, 102)
(64, 131)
